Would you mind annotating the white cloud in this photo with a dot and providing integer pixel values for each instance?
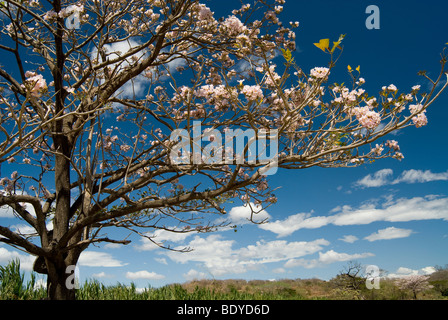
(328, 257)
(383, 177)
(26, 261)
(400, 210)
(332, 256)
(389, 233)
(218, 256)
(419, 176)
(404, 272)
(349, 238)
(143, 274)
(98, 259)
(161, 260)
(287, 226)
(162, 237)
(101, 275)
(135, 86)
(193, 274)
(241, 215)
(6, 212)
(378, 179)
(113, 246)
(279, 270)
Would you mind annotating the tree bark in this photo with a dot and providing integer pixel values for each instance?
(60, 285)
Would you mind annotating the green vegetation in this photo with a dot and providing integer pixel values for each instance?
(14, 287)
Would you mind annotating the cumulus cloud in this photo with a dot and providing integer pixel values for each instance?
(26, 260)
(419, 176)
(242, 214)
(349, 238)
(404, 272)
(389, 233)
(332, 256)
(143, 274)
(163, 237)
(98, 259)
(399, 210)
(384, 177)
(136, 86)
(327, 257)
(378, 179)
(193, 274)
(219, 257)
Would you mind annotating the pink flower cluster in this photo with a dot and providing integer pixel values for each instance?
(64, 13)
(232, 26)
(393, 144)
(35, 83)
(219, 95)
(204, 12)
(8, 184)
(252, 93)
(420, 119)
(367, 118)
(320, 72)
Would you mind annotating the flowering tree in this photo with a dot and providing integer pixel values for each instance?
(415, 283)
(86, 119)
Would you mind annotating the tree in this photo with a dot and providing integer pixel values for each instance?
(87, 119)
(351, 280)
(439, 279)
(415, 283)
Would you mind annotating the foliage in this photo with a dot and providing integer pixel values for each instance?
(13, 285)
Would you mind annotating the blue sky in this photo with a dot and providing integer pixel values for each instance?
(393, 214)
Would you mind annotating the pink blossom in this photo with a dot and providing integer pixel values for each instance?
(367, 118)
(420, 120)
(37, 83)
(233, 26)
(392, 144)
(252, 92)
(204, 13)
(320, 72)
(50, 15)
(125, 148)
(414, 108)
(392, 87)
(378, 149)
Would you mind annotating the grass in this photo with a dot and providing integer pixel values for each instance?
(14, 287)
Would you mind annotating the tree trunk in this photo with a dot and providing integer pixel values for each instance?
(59, 265)
(60, 281)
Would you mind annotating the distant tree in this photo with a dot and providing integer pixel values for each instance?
(439, 279)
(350, 280)
(414, 283)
